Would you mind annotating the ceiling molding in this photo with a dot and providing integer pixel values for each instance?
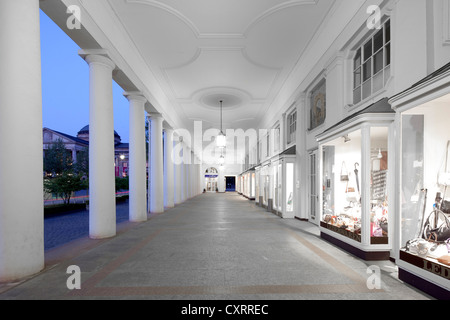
(169, 9)
(275, 9)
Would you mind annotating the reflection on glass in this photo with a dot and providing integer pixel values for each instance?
(424, 192)
(341, 183)
(378, 186)
(290, 187)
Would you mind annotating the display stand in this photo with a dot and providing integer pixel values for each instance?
(423, 132)
(357, 182)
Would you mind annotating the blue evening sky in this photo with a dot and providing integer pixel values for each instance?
(65, 85)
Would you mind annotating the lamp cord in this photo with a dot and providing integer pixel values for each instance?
(221, 116)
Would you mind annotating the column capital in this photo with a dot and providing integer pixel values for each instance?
(155, 116)
(135, 95)
(99, 56)
(168, 128)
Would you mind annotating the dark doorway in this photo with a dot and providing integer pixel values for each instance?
(230, 184)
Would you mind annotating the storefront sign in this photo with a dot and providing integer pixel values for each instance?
(428, 265)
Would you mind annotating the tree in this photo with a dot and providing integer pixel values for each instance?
(64, 185)
(122, 183)
(57, 159)
(82, 164)
(65, 176)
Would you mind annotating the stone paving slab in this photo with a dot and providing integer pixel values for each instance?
(212, 247)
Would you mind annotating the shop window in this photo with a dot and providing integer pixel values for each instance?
(372, 64)
(425, 222)
(356, 185)
(260, 151)
(312, 192)
(291, 127)
(276, 141)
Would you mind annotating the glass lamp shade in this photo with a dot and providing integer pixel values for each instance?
(221, 140)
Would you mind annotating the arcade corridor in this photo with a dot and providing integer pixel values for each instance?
(237, 251)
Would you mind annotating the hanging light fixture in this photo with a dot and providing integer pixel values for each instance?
(380, 155)
(222, 160)
(221, 139)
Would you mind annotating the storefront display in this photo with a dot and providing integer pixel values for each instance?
(248, 184)
(262, 186)
(258, 197)
(355, 172)
(424, 195)
(282, 186)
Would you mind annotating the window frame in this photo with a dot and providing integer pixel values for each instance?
(291, 126)
(364, 66)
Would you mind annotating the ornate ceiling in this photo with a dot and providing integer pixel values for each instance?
(202, 51)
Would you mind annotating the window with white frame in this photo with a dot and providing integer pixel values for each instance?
(260, 156)
(276, 139)
(291, 126)
(372, 64)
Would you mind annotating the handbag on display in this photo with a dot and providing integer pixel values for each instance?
(419, 247)
(350, 194)
(344, 172)
(384, 225)
(437, 225)
(445, 204)
(444, 260)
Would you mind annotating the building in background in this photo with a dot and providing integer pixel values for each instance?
(80, 143)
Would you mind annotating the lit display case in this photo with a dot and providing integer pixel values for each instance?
(262, 185)
(257, 185)
(356, 170)
(423, 244)
(282, 187)
(248, 184)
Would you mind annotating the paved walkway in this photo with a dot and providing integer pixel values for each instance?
(62, 228)
(217, 247)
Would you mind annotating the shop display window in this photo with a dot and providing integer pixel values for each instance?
(253, 186)
(356, 182)
(342, 184)
(425, 188)
(277, 186)
(378, 182)
(257, 183)
(289, 187)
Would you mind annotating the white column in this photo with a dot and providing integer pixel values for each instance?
(137, 173)
(169, 197)
(156, 164)
(102, 202)
(149, 165)
(21, 146)
(187, 154)
(178, 180)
